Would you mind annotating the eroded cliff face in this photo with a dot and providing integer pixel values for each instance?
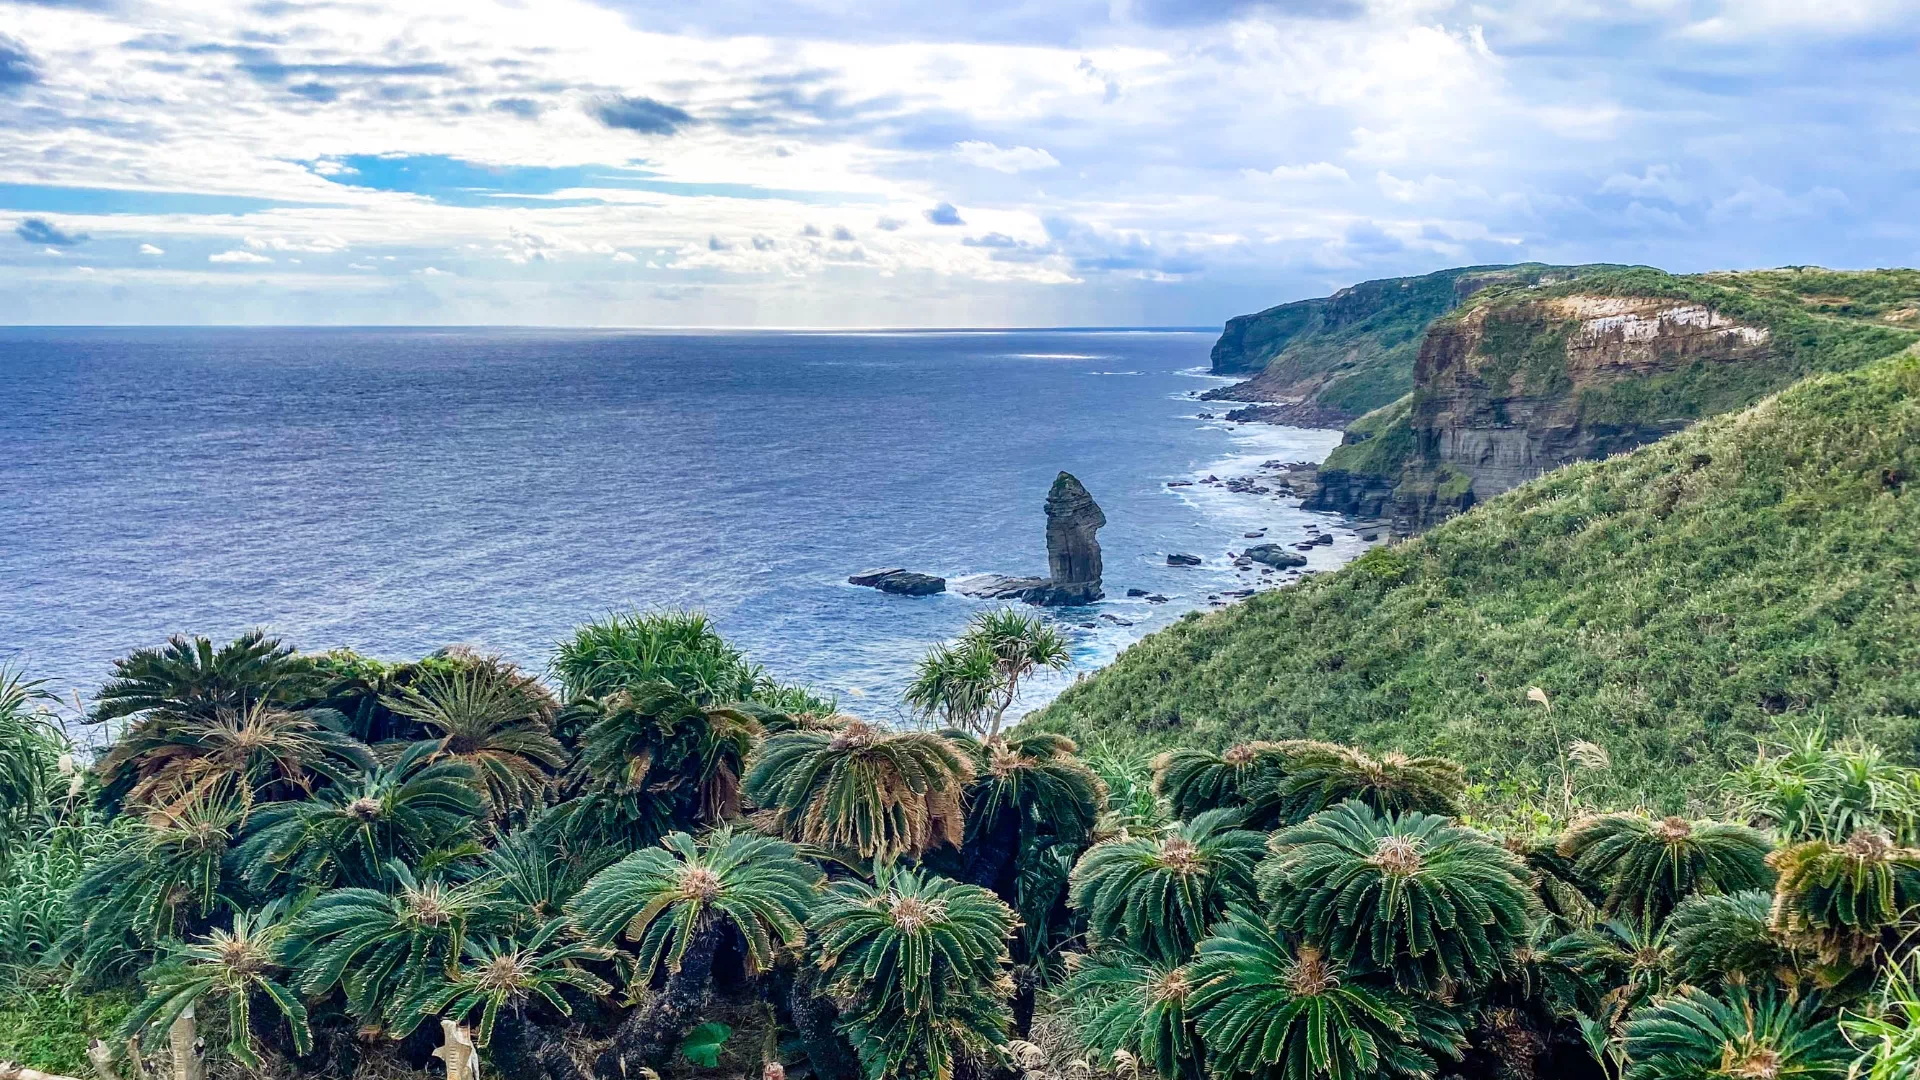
(1506, 392)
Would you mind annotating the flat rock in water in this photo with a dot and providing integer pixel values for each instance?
(1136, 592)
(1181, 559)
(900, 582)
(997, 586)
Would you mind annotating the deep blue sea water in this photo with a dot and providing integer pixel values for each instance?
(400, 490)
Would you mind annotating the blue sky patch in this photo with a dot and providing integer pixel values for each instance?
(453, 181)
(59, 199)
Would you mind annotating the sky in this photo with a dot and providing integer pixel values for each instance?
(836, 163)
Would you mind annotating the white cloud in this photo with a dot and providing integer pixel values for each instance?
(1316, 172)
(625, 257)
(238, 256)
(433, 271)
(1012, 159)
(149, 249)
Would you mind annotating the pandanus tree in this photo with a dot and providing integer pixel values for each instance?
(1123, 1002)
(413, 809)
(675, 902)
(383, 946)
(918, 964)
(499, 978)
(1650, 866)
(1844, 897)
(1739, 1033)
(655, 759)
(232, 966)
(628, 650)
(492, 718)
(258, 750)
(863, 792)
(1158, 895)
(1411, 896)
(972, 683)
(1273, 1010)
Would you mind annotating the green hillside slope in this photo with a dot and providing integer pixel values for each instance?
(1757, 571)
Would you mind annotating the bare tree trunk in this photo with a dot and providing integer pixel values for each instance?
(814, 1016)
(183, 1038)
(457, 1052)
(649, 1037)
(100, 1055)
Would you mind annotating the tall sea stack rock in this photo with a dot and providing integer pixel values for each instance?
(1073, 553)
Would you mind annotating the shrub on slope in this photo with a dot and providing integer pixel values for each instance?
(1675, 603)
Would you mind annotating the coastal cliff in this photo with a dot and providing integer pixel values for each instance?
(1325, 361)
(1522, 380)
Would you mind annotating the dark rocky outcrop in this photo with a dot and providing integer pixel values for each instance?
(998, 586)
(1273, 555)
(1181, 558)
(899, 582)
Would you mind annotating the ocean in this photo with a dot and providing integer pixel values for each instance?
(397, 491)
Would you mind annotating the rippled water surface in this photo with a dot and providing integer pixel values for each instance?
(400, 490)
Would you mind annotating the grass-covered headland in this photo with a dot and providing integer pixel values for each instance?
(657, 862)
(1671, 606)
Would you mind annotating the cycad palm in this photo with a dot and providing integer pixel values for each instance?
(1319, 775)
(406, 810)
(498, 976)
(1267, 1009)
(233, 965)
(1843, 896)
(876, 795)
(1029, 792)
(1245, 777)
(1410, 895)
(664, 759)
(1123, 1002)
(163, 881)
(1159, 894)
(190, 677)
(919, 962)
(675, 901)
(1729, 937)
(382, 946)
(494, 720)
(1693, 1035)
(166, 759)
(1650, 866)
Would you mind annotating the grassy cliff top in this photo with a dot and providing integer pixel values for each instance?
(1757, 571)
(1819, 321)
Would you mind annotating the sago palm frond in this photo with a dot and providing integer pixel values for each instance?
(1269, 1010)
(919, 964)
(881, 796)
(1716, 938)
(498, 975)
(1319, 775)
(165, 759)
(189, 676)
(1121, 1001)
(1843, 896)
(231, 966)
(1693, 1035)
(347, 833)
(1410, 895)
(1649, 866)
(667, 759)
(493, 719)
(664, 897)
(1245, 777)
(1159, 895)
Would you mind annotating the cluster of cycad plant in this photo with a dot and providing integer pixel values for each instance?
(662, 862)
(652, 860)
(1314, 911)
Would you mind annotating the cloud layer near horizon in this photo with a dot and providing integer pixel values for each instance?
(825, 162)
